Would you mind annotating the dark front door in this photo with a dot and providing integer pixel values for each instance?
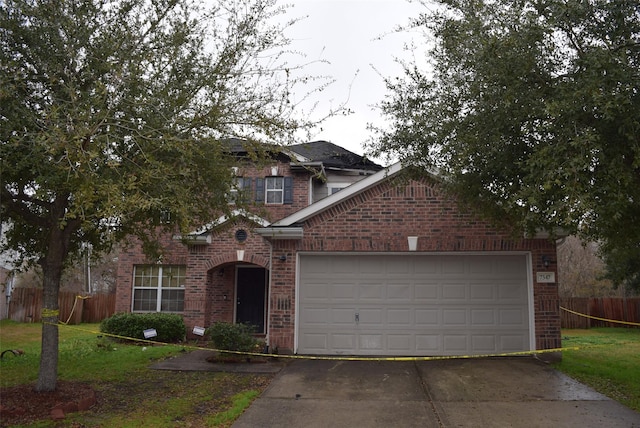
(251, 290)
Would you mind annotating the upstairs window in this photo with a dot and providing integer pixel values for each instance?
(336, 187)
(158, 288)
(274, 190)
(274, 187)
(240, 191)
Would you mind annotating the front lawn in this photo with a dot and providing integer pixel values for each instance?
(130, 394)
(608, 360)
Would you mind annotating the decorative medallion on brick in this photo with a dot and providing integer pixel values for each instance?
(241, 235)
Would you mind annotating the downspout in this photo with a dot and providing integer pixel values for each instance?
(268, 320)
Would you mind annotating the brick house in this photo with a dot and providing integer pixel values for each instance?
(387, 265)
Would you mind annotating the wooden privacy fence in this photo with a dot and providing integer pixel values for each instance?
(610, 308)
(26, 306)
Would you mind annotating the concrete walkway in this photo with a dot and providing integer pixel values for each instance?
(499, 392)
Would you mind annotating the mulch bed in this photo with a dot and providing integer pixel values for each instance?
(22, 405)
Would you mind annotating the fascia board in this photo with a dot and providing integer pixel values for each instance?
(281, 232)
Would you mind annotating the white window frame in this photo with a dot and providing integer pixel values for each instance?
(236, 188)
(339, 185)
(153, 281)
(270, 188)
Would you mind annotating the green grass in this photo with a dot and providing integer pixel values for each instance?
(608, 360)
(239, 402)
(81, 350)
(131, 394)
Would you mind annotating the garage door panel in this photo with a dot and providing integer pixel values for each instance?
(315, 316)
(482, 291)
(512, 343)
(315, 342)
(454, 317)
(453, 265)
(413, 305)
(513, 317)
(481, 343)
(429, 344)
(454, 291)
(426, 292)
(400, 342)
(399, 317)
(341, 292)
(511, 291)
(427, 318)
(484, 317)
(371, 291)
(370, 342)
(400, 292)
(315, 290)
(369, 317)
(343, 342)
(455, 344)
(343, 316)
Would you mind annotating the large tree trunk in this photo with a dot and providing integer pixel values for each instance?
(52, 266)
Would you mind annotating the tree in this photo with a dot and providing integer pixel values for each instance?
(532, 113)
(580, 270)
(112, 117)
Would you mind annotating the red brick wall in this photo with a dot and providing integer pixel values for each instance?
(379, 220)
(209, 286)
(210, 283)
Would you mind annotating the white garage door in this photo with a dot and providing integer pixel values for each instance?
(413, 304)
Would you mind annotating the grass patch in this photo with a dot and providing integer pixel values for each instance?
(130, 394)
(608, 361)
(83, 354)
(239, 402)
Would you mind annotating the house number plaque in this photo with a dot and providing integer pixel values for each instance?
(546, 277)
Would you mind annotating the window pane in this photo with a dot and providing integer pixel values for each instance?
(172, 300)
(145, 300)
(173, 276)
(275, 183)
(146, 275)
(274, 190)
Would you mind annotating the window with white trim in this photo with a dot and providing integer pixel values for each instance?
(240, 190)
(274, 190)
(336, 187)
(158, 288)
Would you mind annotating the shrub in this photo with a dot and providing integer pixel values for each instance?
(233, 337)
(170, 327)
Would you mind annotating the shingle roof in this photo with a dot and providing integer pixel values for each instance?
(332, 155)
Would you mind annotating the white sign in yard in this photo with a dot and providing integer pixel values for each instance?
(546, 277)
(149, 333)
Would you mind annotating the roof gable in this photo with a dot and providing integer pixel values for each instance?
(336, 198)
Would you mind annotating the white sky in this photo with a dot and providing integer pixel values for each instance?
(356, 37)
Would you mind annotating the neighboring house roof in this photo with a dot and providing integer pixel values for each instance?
(333, 156)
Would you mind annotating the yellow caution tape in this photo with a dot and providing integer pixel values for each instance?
(327, 358)
(49, 313)
(600, 319)
(75, 302)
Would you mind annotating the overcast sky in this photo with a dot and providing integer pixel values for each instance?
(356, 37)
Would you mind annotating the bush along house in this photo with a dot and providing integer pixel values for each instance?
(344, 257)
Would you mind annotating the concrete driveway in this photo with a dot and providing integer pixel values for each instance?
(500, 392)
